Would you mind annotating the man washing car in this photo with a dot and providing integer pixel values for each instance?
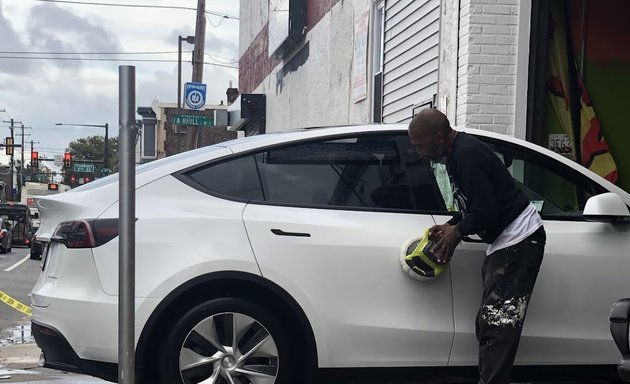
(494, 208)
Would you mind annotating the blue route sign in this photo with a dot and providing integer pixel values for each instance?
(195, 95)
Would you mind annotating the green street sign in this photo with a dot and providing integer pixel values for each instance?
(88, 168)
(193, 120)
(106, 171)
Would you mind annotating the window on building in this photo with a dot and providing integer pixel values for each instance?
(378, 39)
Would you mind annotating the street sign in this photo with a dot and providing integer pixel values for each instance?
(106, 171)
(59, 161)
(193, 120)
(195, 95)
(89, 168)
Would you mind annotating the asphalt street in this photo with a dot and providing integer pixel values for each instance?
(16, 280)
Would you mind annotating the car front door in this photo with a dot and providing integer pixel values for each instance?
(584, 271)
(335, 215)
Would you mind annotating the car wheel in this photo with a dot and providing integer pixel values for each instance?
(225, 341)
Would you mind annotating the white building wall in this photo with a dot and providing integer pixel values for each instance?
(313, 89)
(487, 64)
(253, 15)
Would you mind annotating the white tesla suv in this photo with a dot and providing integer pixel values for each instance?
(264, 259)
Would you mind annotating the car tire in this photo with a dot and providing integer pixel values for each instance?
(261, 345)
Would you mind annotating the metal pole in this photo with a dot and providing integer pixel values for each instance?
(106, 154)
(179, 72)
(197, 70)
(12, 161)
(31, 168)
(127, 235)
(21, 166)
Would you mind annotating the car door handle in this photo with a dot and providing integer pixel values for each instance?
(467, 239)
(280, 232)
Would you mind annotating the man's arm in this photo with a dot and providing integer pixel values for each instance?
(483, 212)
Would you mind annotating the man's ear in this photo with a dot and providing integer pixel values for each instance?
(439, 135)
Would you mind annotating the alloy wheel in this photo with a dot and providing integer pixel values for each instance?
(229, 348)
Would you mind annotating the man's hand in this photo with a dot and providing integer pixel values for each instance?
(446, 238)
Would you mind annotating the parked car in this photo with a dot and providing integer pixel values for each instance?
(19, 217)
(299, 271)
(5, 236)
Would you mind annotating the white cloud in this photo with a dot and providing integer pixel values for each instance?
(42, 92)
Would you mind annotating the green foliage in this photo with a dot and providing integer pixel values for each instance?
(92, 148)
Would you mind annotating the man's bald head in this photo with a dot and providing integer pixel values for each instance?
(429, 122)
(431, 134)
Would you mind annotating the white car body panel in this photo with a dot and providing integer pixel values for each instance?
(567, 318)
(348, 278)
(183, 239)
(68, 291)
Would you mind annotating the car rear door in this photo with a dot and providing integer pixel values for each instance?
(335, 215)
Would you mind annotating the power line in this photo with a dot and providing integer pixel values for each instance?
(88, 53)
(223, 15)
(113, 60)
(212, 55)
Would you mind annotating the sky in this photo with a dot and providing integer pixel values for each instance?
(40, 93)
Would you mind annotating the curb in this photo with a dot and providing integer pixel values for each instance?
(20, 356)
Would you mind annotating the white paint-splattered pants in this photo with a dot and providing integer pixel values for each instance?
(509, 276)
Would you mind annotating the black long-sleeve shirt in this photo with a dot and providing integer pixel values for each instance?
(485, 191)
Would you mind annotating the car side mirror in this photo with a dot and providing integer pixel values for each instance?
(607, 208)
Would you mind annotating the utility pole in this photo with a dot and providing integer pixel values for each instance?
(106, 149)
(13, 159)
(21, 165)
(21, 173)
(197, 62)
(32, 149)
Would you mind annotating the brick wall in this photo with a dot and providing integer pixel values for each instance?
(486, 86)
(176, 142)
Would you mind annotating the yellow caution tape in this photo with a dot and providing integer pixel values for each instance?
(25, 309)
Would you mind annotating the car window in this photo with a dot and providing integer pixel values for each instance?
(365, 171)
(235, 178)
(429, 182)
(557, 191)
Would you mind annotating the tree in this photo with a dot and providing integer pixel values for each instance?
(92, 148)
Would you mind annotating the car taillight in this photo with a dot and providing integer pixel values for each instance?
(86, 233)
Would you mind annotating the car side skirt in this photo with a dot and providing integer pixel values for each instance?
(468, 374)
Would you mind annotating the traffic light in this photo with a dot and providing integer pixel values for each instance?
(8, 145)
(67, 160)
(53, 187)
(34, 159)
